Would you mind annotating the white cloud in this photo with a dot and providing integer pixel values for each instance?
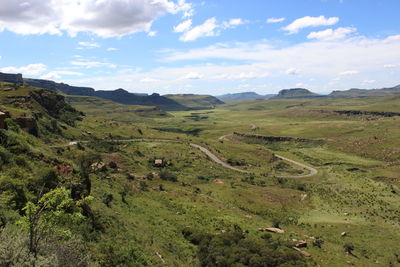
(210, 27)
(242, 76)
(152, 33)
(393, 38)
(148, 80)
(308, 21)
(203, 30)
(87, 45)
(112, 49)
(105, 18)
(390, 66)
(292, 71)
(31, 69)
(348, 73)
(193, 76)
(232, 23)
(56, 75)
(275, 20)
(299, 85)
(330, 34)
(183, 26)
(369, 81)
(92, 64)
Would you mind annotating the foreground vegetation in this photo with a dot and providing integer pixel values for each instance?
(104, 201)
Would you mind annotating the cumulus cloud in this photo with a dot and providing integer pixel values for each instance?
(210, 27)
(369, 81)
(92, 64)
(56, 75)
(292, 71)
(193, 76)
(112, 49)
(390, 66)
(183, 26)
(87, 45)
(348, 72)
(31, 69)
(330, 34)
(106, 18)
(152, 33)
(232, 23)
(275, 20)
(148, 80)
(308, 21)
(242, 76)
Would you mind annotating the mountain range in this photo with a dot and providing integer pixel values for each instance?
(243, 96)
(187, 101)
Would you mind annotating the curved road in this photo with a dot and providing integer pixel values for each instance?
(214, 157)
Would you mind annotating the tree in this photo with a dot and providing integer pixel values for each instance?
(51, 215)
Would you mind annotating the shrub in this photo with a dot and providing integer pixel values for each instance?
(236, 248)
(107, 198)
(166, 176)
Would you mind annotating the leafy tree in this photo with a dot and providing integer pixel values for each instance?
(53, 214)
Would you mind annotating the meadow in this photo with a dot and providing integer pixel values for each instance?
(189, 210)
(356, 190)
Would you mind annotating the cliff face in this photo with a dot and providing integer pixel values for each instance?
(120, 95)
(296, 93)
(62, 87)
(11, 78)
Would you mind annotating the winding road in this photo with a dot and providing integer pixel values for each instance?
(214, 157)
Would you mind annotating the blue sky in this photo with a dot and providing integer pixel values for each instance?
(204, 47)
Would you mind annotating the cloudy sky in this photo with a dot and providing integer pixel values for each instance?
(213, 47)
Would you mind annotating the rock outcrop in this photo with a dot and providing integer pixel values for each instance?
(11, 78)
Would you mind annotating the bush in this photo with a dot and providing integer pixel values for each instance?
(166, 176)
(107, 198)
(236, 248)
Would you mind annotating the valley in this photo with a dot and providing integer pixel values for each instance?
(161, 180)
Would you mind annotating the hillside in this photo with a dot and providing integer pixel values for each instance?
(366, 92)
(195, 101)
(242, 96)
(130, 185)
(107, 109)
(296, 93)
(37, 110)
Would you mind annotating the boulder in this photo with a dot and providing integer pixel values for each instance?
(302, 252)
(218, 181)
(301, 244)
(272, 229)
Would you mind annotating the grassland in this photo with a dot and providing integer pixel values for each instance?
(356, 190)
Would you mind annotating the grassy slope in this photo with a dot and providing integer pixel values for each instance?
(196, 101)
(347, 195)
(352, 193)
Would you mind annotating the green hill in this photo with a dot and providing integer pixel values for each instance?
(296, 93)
(195, 101)
(366, 92)
(243, 96)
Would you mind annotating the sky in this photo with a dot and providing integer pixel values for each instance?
(203, 47)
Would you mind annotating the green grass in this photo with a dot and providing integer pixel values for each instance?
(355, 191)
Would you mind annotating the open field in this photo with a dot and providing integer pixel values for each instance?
(355, 190)
(157, 198)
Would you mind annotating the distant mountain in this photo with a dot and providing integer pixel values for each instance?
(120, 95)
(195, 101)
(296, 93)
(366, 92)
(242, 96)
